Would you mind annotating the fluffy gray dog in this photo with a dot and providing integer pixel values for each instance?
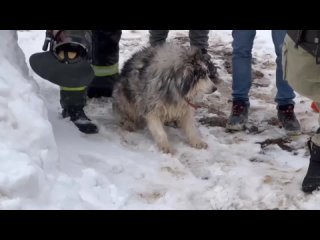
(159, 85)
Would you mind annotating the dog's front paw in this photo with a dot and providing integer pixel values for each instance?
(165, 148)
(199, 144)
(128, 126)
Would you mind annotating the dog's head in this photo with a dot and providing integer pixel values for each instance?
(195, 79)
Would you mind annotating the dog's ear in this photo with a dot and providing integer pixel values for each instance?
(198, 55)
(187, 79)
(195, 54)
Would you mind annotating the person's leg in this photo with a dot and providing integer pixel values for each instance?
(105, 62)
(303, 74)
(241, 64)
(199, 38)
(157, 37)
(285, 94)
(73, 101)
(241, 77)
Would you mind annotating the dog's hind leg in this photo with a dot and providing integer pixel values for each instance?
(189, 128)
(158, 133)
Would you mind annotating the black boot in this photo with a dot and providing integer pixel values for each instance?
(311, 181)
(79, 118)
(102, 86)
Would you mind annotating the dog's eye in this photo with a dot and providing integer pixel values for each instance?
(204, 74)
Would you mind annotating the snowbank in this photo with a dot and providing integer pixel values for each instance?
(27, 145)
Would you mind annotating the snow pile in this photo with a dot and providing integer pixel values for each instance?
(27, 145)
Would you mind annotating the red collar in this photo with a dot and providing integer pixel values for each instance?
(191, 104)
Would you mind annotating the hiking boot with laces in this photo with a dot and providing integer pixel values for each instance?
(288, 119)
(238, 117)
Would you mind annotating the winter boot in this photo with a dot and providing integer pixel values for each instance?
(288, 119)
(238, 117)
(79, 118)
(311, 181)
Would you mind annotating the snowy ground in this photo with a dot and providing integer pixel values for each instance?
(121, 170)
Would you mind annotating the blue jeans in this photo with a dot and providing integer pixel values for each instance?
(241, 65)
